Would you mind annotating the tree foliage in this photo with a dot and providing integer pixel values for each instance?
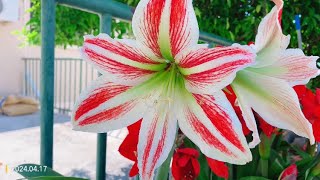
(236, 20)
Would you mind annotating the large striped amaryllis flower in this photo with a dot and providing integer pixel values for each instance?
(266, 87)
(167, 79)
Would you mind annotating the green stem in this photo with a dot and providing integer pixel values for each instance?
(163, 170)
(231, 175)
(264, 167)
(311, 149)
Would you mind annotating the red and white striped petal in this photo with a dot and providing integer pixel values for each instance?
(106, 106)
(156, 138)
(167, 27)
(292, 66)
(274, 100)
(123, 62)
(211, 123)
(270, 39)
(209, 70)
(248, 118)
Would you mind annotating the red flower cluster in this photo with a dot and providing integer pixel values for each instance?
(185, 165)
(310, 104)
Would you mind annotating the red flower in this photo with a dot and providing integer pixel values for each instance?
(266, 128)
(218, 168)
(232, 98)
(185, 165)
(250, 43)
(128, 147)
(310, 104)
(290, 173)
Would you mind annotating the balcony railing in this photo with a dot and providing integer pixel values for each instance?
(70, 77)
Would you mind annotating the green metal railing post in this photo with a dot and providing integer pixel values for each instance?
(47, 80)
(105, 27)
(114, 8)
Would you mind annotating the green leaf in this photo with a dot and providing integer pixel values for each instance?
(311, 173)
(276, 168)
(250, 168)
(164, 169)
(35, 170)
(253, 178)
(302, 153)
(229, 3)
(258, 8)
(205, 170)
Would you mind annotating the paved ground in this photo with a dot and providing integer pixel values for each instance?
(74, 152)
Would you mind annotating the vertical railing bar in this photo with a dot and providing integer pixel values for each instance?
(86, 75)
(47, 83)
(37, 77)
(34, 82)
(105, 27)
(25, 77)
(60, 86)
(65, 86)
(32, 78)
(75, 81)
(29, 76)
(70, 85)
(55, 84)
(80, 76)
(92, 74)
(28, 84)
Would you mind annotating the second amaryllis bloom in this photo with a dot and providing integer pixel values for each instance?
(266, 87)
(167, 79)
(310, 104)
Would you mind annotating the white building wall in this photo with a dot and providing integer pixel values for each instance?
(11, 65)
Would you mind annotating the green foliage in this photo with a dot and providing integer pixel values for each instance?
(236, 20)
(71, 26)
